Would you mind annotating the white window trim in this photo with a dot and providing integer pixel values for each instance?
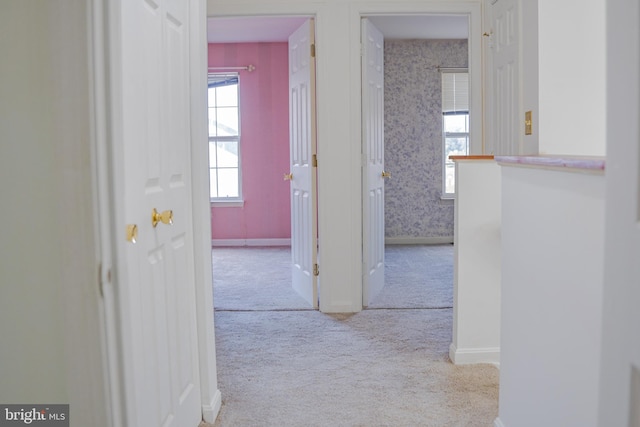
(227, 203)
(444, 195)
(230, 201)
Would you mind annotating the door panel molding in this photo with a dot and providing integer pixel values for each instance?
(373, 144)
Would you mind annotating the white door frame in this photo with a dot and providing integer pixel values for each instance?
(320, 12)
(476, 71)
(339, 191)
(106, 177)
(201, 208)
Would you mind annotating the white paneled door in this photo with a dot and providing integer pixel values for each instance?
(155, 296)
(373, 153)
(302, 175)
(506, 77)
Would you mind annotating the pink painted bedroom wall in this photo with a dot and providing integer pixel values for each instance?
(264, 143)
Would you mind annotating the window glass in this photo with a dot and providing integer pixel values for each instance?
(227, 96)
(227, 154)
(455, 124)
(224, 137)
(226, 121)
(228, 183)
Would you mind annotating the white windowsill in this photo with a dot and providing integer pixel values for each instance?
(227, 203)
(448, 197)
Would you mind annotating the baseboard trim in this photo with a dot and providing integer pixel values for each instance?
(250, 242)
(210, 411)
(498, 423)
(339, 307)
(469, 356)
(418, 240)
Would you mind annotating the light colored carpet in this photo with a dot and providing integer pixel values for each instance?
(416, 276)
(382, 367)
(254, 279)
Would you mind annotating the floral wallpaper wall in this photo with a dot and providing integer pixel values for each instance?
(413, 136)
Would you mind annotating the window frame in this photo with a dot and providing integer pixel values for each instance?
(445, 135)
(238, 200)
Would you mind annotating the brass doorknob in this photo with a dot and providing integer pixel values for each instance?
(288, 176)
(166, 217)
(386, 174)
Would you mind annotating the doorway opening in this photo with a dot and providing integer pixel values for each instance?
(264, 220)
(418, 219)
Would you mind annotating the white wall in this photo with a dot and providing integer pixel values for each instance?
(31, 306)
(572, 82)
(476, 283)
(619, 405)
(339, 128)
(49, 311)
(552, 267)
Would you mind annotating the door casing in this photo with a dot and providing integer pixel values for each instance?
(476, 71)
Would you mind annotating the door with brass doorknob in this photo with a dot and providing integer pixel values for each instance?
(155, 318)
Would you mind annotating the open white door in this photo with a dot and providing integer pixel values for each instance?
(149, 44)
(505, 43)
(302, 152)
(373, 154)
(620, 364)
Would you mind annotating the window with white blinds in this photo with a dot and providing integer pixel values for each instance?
(455, 123)
(455, 91)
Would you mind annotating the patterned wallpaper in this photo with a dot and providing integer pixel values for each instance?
(413, 136)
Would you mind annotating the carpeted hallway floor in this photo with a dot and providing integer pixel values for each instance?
(283, 364)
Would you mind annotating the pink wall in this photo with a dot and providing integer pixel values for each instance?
(264, 143)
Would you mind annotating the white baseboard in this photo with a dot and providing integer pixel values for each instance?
(250, 242)
(418, 240)
(339, 307)
(469, 356)
(498, 423)
(210, 411)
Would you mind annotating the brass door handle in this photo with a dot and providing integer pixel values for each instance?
(386, 174)
(166, 217)
(288, 176)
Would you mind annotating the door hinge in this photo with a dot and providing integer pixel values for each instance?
(314, 160)
(313, 50)
(316, 270)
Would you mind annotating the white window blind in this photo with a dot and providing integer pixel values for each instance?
(222, 79)
(455, 91)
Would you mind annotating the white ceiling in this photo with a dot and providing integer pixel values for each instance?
(241, 30)
(278, 29)
(422, 27)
